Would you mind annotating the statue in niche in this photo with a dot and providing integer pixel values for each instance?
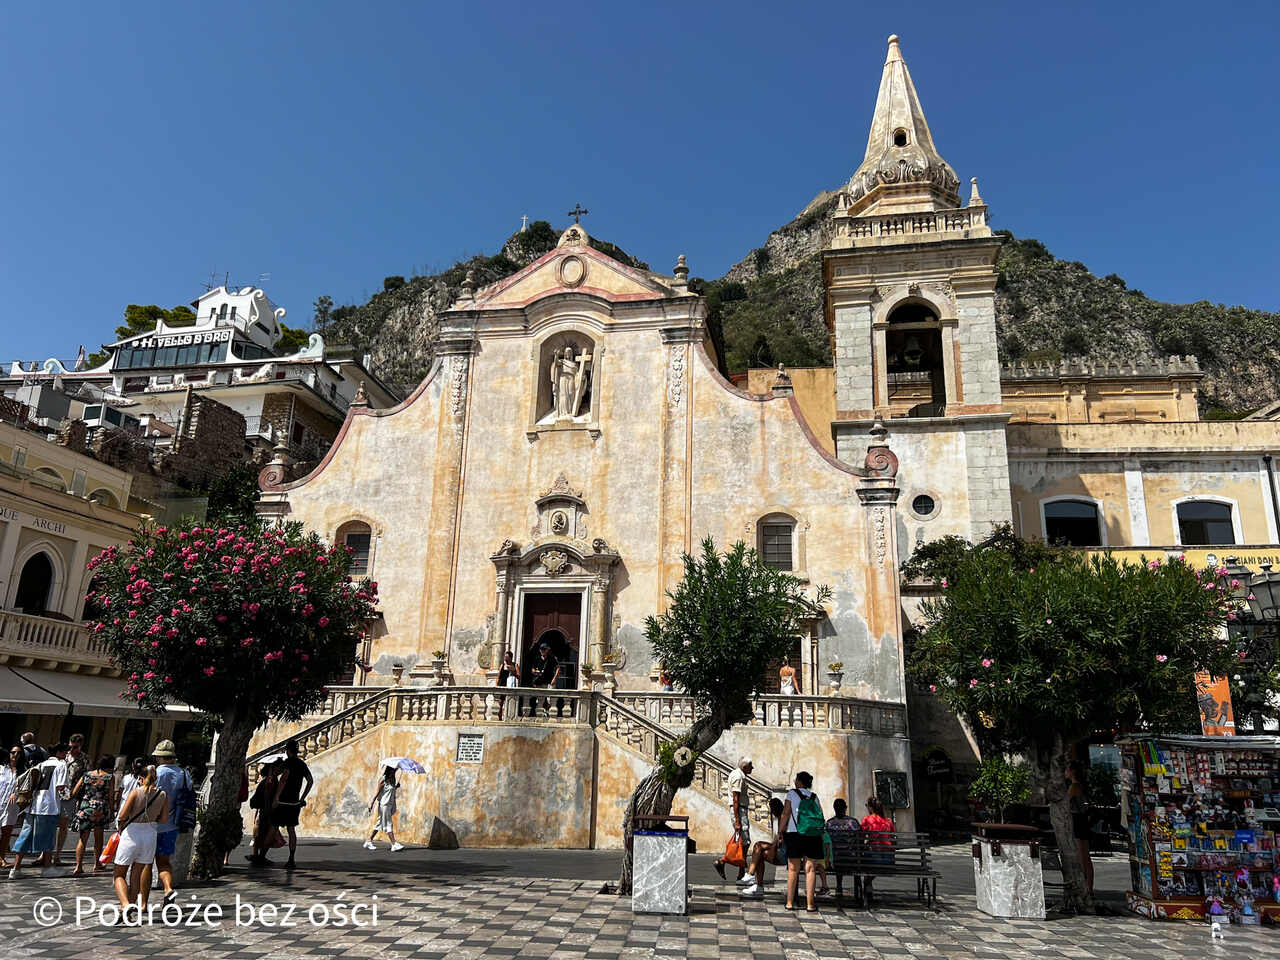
(570, 380)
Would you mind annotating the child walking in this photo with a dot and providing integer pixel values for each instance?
(385, 798)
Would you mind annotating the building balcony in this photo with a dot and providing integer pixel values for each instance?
(49, 644)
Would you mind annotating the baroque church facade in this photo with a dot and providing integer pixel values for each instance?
(575, 437)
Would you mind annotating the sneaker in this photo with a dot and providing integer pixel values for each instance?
(368, 845)
(720, 869)
(13, 873)
(397, 846)
(752, 892)
(170, 897)
(747, 880)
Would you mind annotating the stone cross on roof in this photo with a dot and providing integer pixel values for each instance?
(577, 213)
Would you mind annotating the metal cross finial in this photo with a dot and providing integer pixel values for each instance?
(577, 213)
(524, 224)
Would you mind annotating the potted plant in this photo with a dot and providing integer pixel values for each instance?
(999, 785)
(835, 674)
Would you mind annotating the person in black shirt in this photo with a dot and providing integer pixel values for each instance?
(291, 795)
(545, 671)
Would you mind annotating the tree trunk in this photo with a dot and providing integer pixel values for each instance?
(220, 828)
(653, 795)
(1053, 768)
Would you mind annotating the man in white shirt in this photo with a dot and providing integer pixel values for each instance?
(40, 826)
(739, 806)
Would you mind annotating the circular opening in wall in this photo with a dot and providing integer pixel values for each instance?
(899, 138)
(923, 505)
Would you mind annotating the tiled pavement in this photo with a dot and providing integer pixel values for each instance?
(465, 913)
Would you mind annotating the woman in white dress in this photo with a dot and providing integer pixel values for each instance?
(385, 798)
(143, 807)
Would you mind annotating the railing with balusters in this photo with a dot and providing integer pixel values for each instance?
(912, 224)
(678, 712)
(23, 635)
(337, 699)
(644, 736)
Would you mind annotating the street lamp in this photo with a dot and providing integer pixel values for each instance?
(1264, 595)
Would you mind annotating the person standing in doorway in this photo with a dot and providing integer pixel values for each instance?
(385, 800)
(77, 766)
(176, 784)
(508, 676)
(546, 673)
(40, 826)
(739, 804)
(291, 796)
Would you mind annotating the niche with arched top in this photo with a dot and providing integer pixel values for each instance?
(566, 379)
(914, 361)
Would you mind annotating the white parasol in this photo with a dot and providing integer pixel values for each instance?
(405, 764)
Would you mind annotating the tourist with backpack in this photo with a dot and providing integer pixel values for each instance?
(804, 825)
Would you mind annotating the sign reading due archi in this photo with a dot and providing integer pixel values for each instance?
(470, 747)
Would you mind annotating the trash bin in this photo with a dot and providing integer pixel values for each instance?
(1007, 875)
(660, 864)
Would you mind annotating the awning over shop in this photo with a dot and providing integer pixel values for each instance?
(43, 692)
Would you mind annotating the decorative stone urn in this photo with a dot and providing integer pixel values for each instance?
(438, 672)
(397, 674)
(835, 678)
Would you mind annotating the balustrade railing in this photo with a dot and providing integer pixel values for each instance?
(23, 635)
(493, 704)
(912, 224)
(337, 699)
(779, 710)
(644, 736)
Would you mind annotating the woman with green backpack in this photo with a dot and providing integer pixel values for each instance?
(804, 824)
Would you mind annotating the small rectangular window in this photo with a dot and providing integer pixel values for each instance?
(775, 541)
(112, 416)
(359, 545)
(298, 431)
(93, 412)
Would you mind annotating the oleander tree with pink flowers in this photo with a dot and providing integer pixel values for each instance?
(1038, 648)
(244, 623)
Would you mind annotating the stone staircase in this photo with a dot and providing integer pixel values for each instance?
(611, 718)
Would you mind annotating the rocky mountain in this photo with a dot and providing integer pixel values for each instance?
(768, 309)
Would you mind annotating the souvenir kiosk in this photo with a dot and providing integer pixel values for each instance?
(1202, 815)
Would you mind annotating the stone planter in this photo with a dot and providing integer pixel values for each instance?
(1006, 871)
(397, 674)
(835, 678)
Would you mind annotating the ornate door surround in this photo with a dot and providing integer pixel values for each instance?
(558, 559)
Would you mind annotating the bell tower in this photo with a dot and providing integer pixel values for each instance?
(910, 282)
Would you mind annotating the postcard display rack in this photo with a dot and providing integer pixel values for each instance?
(1201, 818)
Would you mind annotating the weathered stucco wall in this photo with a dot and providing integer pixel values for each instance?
(532, 789)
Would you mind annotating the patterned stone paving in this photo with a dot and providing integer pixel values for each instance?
(461, 915)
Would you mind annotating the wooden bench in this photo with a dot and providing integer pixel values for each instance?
(883, 855)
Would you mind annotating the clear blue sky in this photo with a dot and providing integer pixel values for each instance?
(330, 145)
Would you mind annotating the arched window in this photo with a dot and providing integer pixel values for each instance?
(1205, 523)
(50, 478)
(34, 585)
(105, 497)
(1075, 523)
(776, 542)
(914, 362)
(358, 538)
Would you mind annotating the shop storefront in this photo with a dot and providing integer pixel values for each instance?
(1202, 815)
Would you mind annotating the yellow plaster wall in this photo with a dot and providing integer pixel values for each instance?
(532, 789)
(382, 473)
(815, 389)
